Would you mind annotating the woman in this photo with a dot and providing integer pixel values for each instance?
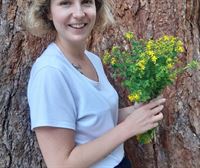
(73, 107)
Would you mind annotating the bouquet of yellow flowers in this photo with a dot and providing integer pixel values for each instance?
(146, 67)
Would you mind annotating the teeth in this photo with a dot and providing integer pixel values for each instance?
(78, 26)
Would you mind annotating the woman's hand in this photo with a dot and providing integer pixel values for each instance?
(144, 117)
(126, 111)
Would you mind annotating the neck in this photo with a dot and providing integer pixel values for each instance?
(71, 50)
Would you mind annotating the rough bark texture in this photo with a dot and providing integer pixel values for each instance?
(178, 142)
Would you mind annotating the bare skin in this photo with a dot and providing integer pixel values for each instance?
(59, 149)
(58, 144)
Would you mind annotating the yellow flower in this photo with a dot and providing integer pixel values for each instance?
(150, 53)
(134, 97)
(141, 64)
(173, 76)
(169, 60)
(129, 35)
(170, 63)
(115, 48)
(179, 47)
(154, 59)
(149, 44)
(169, 66)
(166, 38)
(113, 61)
(106, 58)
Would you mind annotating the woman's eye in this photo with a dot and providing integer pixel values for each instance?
(87, 1)
(65, 3)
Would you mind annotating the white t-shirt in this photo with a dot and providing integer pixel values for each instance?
(60, 96)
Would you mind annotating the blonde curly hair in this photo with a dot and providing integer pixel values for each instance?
(38, 23)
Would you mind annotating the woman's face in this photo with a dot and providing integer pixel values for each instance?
(73, 19)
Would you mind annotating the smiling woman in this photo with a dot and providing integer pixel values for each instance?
(73, 21)
(75, 115)
(39, 24)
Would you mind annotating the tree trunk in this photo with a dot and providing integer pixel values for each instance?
(178, 137)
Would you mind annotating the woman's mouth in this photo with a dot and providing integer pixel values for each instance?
(78, 25)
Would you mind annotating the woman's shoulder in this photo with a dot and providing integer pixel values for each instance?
(50, 60)
(50, 57)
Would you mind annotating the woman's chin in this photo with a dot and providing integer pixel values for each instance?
(79, 39)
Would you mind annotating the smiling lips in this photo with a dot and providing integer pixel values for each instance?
(78, 25)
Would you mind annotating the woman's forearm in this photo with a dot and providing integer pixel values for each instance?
(83, 156)
(59, 149)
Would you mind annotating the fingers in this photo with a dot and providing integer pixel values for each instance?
(157, 109)
(155, 103)
(154, 125)
(155, 121)
(147, 116)
(157, 98)
(157, 117)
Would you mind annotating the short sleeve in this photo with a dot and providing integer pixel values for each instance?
(50, 99)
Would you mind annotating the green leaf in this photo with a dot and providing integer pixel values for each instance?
(146, 137)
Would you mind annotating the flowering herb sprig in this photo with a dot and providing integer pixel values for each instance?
(146, 67)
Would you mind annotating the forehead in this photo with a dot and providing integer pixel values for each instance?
(71, 0)
(98, 3)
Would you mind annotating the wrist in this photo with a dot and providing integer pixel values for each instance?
(125, 132)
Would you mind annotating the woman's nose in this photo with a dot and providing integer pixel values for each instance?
(78, 11)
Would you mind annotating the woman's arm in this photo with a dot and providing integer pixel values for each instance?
(59, 149)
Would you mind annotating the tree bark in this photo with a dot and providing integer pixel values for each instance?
(178, 137)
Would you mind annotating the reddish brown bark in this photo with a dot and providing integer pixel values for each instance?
(178, 136)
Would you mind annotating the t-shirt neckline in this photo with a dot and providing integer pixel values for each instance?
(95, 83)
